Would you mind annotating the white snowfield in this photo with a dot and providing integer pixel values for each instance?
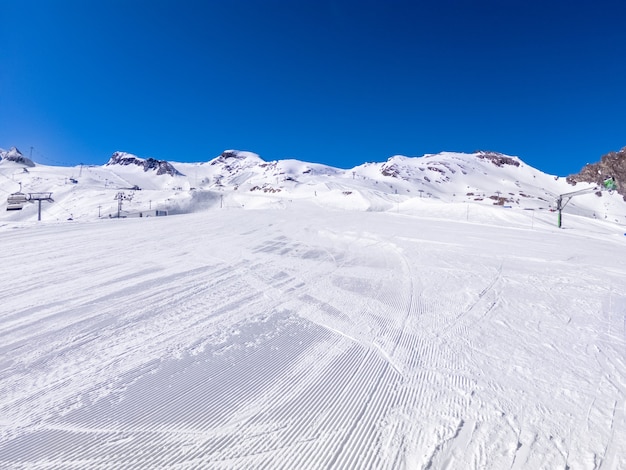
(428, 336)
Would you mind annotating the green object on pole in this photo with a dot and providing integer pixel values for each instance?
(610, 184)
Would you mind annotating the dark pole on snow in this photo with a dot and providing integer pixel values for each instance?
(40, 197)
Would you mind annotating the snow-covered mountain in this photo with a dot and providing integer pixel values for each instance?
(15, 156)
(161, 167)
(238, 179)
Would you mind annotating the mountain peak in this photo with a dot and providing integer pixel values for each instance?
(14, 155)
(229, 157)
(162, 167)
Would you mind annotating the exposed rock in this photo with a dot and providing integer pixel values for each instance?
(162, 167)
(234, 161)
(266, 188)
(227, 156)
(497, 159)
(14, 155)
(612, 164)
(390, 170)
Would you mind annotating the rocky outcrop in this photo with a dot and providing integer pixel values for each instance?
(498, 159)
(612, 164)
(162, 167)
(14, 155)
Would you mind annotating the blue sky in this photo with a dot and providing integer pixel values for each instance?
(335, 82)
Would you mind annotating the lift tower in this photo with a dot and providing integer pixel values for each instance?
(121, 197)
(40, 197)
(568, 196)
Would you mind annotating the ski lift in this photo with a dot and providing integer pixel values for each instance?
(16, 201)
(610, 184)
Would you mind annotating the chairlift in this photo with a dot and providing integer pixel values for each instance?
(16, 201)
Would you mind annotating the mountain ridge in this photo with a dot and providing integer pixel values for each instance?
(243, 179)
(162, 167)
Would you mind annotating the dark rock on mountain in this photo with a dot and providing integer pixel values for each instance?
(228, 156)
(14, 155)
(612, 164)
(162, 167)
(498, 159)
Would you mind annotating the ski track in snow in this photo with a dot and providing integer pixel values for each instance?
(310, 339)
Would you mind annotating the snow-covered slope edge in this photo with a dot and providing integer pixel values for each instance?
(308, 338)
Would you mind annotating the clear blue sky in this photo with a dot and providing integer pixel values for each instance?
(335, 82)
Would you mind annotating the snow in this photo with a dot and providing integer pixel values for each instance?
(309, 328)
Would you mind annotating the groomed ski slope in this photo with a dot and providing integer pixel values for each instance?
(307, 338)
